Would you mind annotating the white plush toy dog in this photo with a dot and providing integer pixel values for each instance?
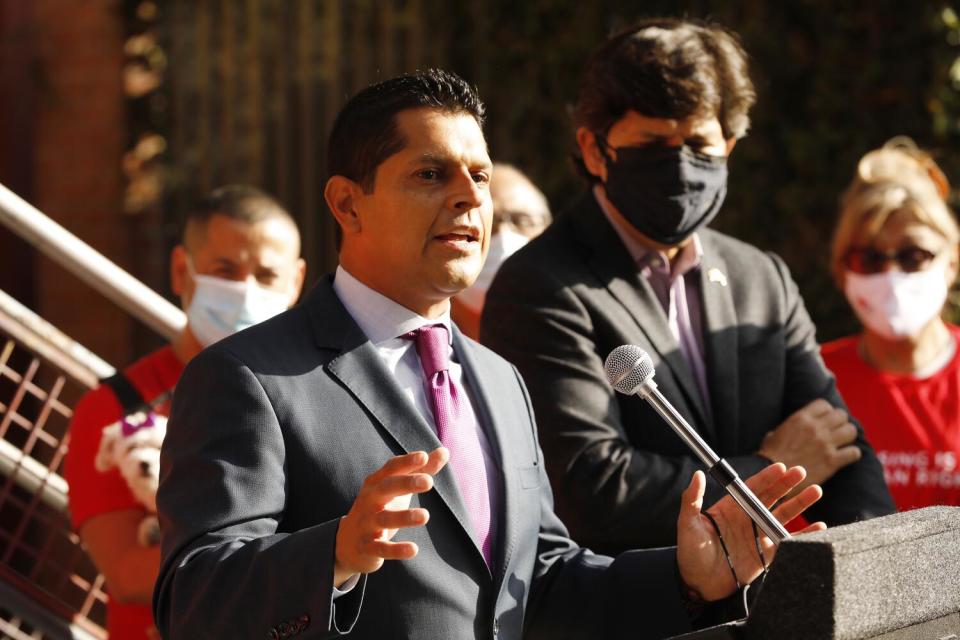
(133, 446)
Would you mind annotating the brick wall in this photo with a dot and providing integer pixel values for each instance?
(80, 129)
(17, 106)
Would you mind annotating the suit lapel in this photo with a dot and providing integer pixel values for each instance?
(362, 372)
(615, 267)
(720, 342)
(495, 417)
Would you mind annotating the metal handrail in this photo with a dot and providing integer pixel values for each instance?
(70, 357)
(41, 610)
(40, 618)
(46, 340)
(89, 265)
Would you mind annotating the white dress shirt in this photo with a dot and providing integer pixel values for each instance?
(384, 321)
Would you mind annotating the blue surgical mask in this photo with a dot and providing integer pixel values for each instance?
(503, 244)
(221, 307)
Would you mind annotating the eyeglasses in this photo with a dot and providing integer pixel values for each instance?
(867, 260)
(521, 220)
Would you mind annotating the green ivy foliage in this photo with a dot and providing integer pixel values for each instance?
(835, 79)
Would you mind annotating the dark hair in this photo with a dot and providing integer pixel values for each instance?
(235, 201)
(365, 131)
(668, 68)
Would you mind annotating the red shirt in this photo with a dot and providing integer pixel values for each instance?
(93, 493)
(912, 423)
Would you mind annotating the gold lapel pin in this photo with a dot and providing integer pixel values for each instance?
(715, 275)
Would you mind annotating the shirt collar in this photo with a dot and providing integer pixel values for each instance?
(380, 318)
(690, 257)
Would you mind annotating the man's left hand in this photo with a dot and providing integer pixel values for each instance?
(700, 556)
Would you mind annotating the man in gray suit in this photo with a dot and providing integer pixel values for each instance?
(660, 108)
(297, 494)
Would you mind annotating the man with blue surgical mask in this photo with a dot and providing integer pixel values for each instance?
(238, 264)
(235, 268)
(520, 214)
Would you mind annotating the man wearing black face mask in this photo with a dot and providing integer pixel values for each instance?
(660, 109)
(664, 192)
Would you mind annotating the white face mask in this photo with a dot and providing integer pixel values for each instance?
(504, 244)
(895, 304)
(222, 307)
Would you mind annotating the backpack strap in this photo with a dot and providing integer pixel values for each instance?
(130, 399)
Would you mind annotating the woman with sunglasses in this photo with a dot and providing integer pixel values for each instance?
(894, 256)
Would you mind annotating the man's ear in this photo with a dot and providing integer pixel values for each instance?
(180, 281)
(593, 158)
(341, 194)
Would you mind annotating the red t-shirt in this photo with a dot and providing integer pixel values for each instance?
(913, 424)
(93, 493)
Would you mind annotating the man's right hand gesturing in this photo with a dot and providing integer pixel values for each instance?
(364, 538)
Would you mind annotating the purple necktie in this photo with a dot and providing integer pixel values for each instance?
(457, 430)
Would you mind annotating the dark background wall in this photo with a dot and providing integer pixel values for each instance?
(834, 80)
(62, 137)
(117, 114)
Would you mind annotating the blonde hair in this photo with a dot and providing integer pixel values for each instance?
(898, 177)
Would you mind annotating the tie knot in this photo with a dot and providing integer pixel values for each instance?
(432, 347)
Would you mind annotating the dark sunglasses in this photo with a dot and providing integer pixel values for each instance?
(867, 260)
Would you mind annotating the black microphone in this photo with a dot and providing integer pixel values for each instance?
(630, 371)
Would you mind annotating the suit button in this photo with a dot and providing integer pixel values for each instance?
(496, 628)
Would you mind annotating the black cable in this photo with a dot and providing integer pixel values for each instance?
(756, 540)
(726, 552)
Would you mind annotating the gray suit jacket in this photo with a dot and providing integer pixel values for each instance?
(560, 305)
(271, 436)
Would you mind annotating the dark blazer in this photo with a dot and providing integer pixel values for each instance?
(271, 436)
(561, 304)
